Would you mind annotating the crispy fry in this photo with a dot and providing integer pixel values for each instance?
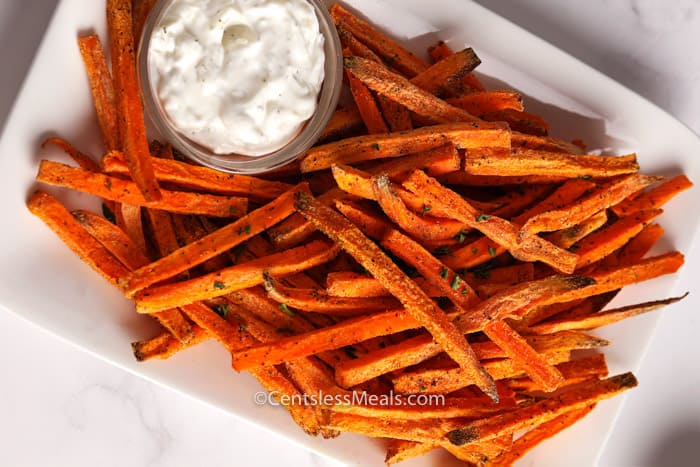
(83, 160)
(363, 148)
(165, 345)
(123, 191)
(603, 318)
(194, 177)
(441, 51)
(605, 196)
(641, 244)
(320, 302)
(446, 77)
(655, 197)
(389, 50)
(344, 122)
(466, 179)
(540, 433)
(102, 89)
(397, 88)
(608, 239)
(213, 244)
(542, 143)
(480, 103)
(551, 164)
(517, 348)
(352, 284)
(132, 129)
(575, 399)
(399, 450)
(348, 237)
(449, 203)
(367, 106)
(237, 277)
(567, 237)
(574, 372)
(518, 120)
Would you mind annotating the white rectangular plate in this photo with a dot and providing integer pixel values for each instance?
(44, 282)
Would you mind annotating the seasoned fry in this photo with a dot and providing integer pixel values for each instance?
(117, 189)
(544, 411)
(480, 103)
(641, 244)
(417, 303)
(449, 203)
(655, 197)
(346, 121)
(446, 77)
(102, 89)
(237, 277)
(165, 345)
(567, 237)
(367, 106)
(540, 433)
(603, 318)
(194, 177)
(364, 148)
(389, 50)
(397, 88)
(83, 160)
(550, 164)
(441, 51)
(132, 129)
(607, 195)
(320, 302)
(213, 244)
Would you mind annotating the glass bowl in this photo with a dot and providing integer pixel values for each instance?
(236, 163)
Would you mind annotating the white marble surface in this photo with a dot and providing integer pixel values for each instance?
(60, 406)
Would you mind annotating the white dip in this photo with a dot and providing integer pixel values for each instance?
(238, 76)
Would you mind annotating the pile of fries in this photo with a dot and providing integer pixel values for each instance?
(436, 241)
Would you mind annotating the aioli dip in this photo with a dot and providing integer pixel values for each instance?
(238, 76)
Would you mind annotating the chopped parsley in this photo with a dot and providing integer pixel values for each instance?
(455, 282)
(482, 217)
(492, 251)
(461, 236)
(244, 230)
(375, 146)
(219, 285)
(475, 250)
(286, 310)
(425, 210)
(221, 310)
(443, 273)
(574, 248)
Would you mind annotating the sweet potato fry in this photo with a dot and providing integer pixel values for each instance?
(351, 239)
(141, 10)
(501, 231)
(417, 226)
(518, 120)
(132, 129)
(399, 58)
(83, 160)
(608, 239)
(165, 345)
(163, 231)
(320, 302)
(574, 372)
(352, 284)
(345, 122)
(542, 143)
(117, 189)
(367, 106)
(443, 159)
(552, 164)
(567, 237)
(466, 179)
(655, 197)
(605, 196)
(194, 177)
(213, 244)
(641, 244)
(480, 103)
(446, 77)
(397, 88)
(603, 318)
(451, 378)
(102, 89)
(237, 277)
(399, 450)
(540, 433)
(517, 348)
(363, 148)
(441, 51)
(58, 219)
(575, 399)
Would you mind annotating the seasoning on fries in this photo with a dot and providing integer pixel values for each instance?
(437, 240)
